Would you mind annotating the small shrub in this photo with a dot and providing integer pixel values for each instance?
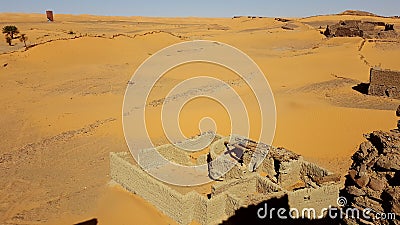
(10, 30)
(8, 40)
(23, 38)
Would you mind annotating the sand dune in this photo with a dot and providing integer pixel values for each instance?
(62, 99)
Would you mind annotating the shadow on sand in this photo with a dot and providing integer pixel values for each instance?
(88, 222)
(249, 215)
(362, 88)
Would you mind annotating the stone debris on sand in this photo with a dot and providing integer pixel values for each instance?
(374, 177)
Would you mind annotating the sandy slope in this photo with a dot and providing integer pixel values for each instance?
(61, 102)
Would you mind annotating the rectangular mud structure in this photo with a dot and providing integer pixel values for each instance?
(49, 15)
(281, 175)
(384, 83)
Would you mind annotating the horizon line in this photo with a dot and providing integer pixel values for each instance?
(232, 16)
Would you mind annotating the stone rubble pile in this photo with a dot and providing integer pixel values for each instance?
(374, 178)
(359, 28)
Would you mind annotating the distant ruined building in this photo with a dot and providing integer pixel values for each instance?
(358, 28)
(384, 83)
(49, 15)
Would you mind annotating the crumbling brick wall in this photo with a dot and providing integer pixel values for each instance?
(348, 32)
(232, 193)
(358, 28)
(317, 199)
(384, 83)
(183, 208)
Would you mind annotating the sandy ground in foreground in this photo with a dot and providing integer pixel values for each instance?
(62, 99)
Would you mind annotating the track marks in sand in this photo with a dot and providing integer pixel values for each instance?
(11, 211)
(28, 150)
(19, 196)
(149, 33)
(362, 57)
(202, 90)
(97, 36)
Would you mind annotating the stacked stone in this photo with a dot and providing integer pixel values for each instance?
(398, 115)
(359, 28)
(374, 178)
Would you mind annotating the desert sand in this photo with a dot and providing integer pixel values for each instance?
(61, 102)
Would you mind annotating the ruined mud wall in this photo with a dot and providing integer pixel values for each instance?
(384, 83)
(135, 180)
(179, 155)
(312, 170)
(232, 204)
(237, 187)
(364, 29)
(183, 208)
(227, 196)
(173, 154)
(316, 198)
(215, 210)
(321, 191)
(266, 186)
(197, 209)
(193, 206)
(281, 166)
(222, 162)
(289, 173)
(268, 167)
(204, 211)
